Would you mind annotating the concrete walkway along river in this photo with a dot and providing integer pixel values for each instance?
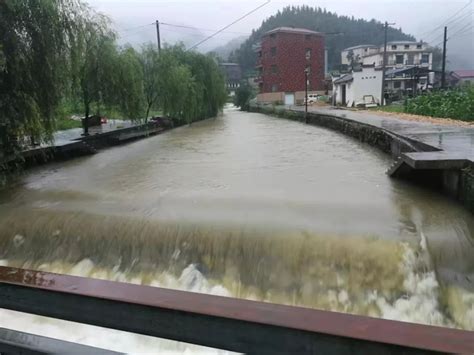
(251, 206)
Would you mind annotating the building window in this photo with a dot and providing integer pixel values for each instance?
(274, 69)
(308, 54)
(407, 46)
(259, 54)
(394, 46)
(397, 85)
(399, 59)
(418, 46)
(307, 37)
(274, 51)
(425, 58)
(274, 87)
(365, 49)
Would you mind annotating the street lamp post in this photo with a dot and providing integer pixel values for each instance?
(306, 95)
(306, 72)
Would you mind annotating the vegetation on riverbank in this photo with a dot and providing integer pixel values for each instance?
(457, 104)
(54, 52)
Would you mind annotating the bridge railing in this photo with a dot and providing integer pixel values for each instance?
(219, 322)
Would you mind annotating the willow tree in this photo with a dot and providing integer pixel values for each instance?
(151, 75)
(97, 67)
(129, 84)
(191, 85)
(175, 85)
(36, 38)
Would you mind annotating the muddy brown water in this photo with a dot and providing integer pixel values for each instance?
(250, 206)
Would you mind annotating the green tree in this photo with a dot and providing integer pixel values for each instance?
(191, 86)
(97, 73)
(151, 69)
(243, 95)
(37, 40)
(129, 84)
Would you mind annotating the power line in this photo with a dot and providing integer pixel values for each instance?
(134, 28)
(226, 27)
(447, 21)
(466, 27)
(465, 34)
(133, 33)
(456, 22)
(201, 29)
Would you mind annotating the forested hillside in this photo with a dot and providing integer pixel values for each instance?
(225, 50)
(355, 32)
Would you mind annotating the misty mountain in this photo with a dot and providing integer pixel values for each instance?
(225, 50)
(354, 32)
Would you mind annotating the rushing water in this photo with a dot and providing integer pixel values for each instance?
(250, 206)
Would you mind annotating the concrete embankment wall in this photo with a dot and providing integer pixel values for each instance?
(458, 184)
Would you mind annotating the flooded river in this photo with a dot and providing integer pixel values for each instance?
(249, 206)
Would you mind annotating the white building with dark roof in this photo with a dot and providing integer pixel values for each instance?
(362, 86)
(400, 55)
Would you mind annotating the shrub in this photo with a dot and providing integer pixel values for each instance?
(454, 103)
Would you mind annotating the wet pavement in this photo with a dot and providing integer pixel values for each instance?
(67, 136)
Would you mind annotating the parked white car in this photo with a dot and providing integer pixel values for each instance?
(312, 98)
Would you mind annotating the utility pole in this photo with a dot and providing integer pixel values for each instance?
(443, 74)
(158, 35)
(384, 64)
(306, 95)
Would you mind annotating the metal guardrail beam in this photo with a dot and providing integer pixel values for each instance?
(14, 343)
(220, 322)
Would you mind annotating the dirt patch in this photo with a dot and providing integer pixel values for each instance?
(418, 118)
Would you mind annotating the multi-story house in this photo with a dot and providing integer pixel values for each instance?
(409, 64)
(285, 57)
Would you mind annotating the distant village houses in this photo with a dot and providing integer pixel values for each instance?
(408, 67)
(284, 57)
(233, 75)
(461, 77)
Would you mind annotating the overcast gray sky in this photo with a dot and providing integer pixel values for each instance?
(417, 17)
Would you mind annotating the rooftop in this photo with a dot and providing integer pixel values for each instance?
(343, 79)
(463, 73)
(361, 46)
(293, 30)
(405, 42)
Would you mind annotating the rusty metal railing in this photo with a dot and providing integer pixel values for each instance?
(220, 322)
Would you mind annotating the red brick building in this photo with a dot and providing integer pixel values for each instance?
(283, 56)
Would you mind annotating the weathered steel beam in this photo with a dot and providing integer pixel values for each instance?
(14, 343)
(219, 322)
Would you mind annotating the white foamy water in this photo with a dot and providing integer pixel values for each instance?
(191, 280)
(419, 303)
